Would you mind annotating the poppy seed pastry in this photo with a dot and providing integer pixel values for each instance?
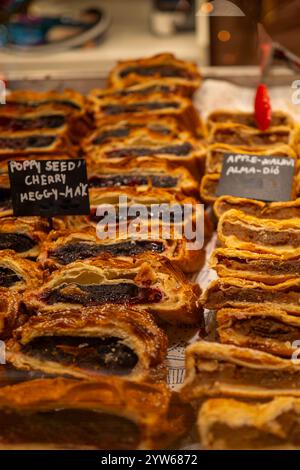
(144, 174)
(108, 413)
(148, 281)
(164, 67)
(109, 339)
(64, 247)
(109, 109)
(23, 235)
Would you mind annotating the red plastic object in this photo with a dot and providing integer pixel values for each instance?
(263, 110)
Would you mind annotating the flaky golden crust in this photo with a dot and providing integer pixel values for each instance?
(261, 267)
(214, 369)
(174, 298)
(9, 312)
(28, 273)
(266, 422)
(208, 188)
(188, 81)
(135, 329)
(216, 152)
(268, 329)
(272, 210)
(239, 230)
(60, 249)
(223, 116)
(32, 230)
(143, 174)
(234, 292)
(147, 405)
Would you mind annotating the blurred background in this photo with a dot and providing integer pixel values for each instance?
(85, 34)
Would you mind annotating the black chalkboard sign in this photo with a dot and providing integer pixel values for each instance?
(266, 178)
(49, 188)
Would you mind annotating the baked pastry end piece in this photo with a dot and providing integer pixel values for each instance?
(221, 370)
(112, 340)
(225, 424)
(107, 414)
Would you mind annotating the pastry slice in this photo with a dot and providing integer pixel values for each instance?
(233, 292)
(144, 214)
(268, 329)
(224, 116)
(110, 413)
(171, 71)
(23, 235)
(24, 101)
(239, 230)
(110, 339)
(243, 136)
(148, 281)
(106, 110)
(44, 117)
(225, 424)
(180, 151)
(264, 210)
(215, 370)
(261, 267)
(10, 314)
(18, 274)
(63, 248)
(216, 152)
(144, 174)
(35, 141)
(208, 188)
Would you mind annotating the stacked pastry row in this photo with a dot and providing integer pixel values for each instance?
(236, 132)
(82, 315)
(255, 300)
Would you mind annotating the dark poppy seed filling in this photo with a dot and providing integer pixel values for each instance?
(113, 109)
(162, 70)
(88, 353)
(21, 143)
(8, 277)
(175, 215)
(36, 104)
(180, 150)
(53, 121)
(119, 132)
(98, 294)
(68, 428)
(133, 180)
(16, 241)
(66, 254)
(5, 199)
